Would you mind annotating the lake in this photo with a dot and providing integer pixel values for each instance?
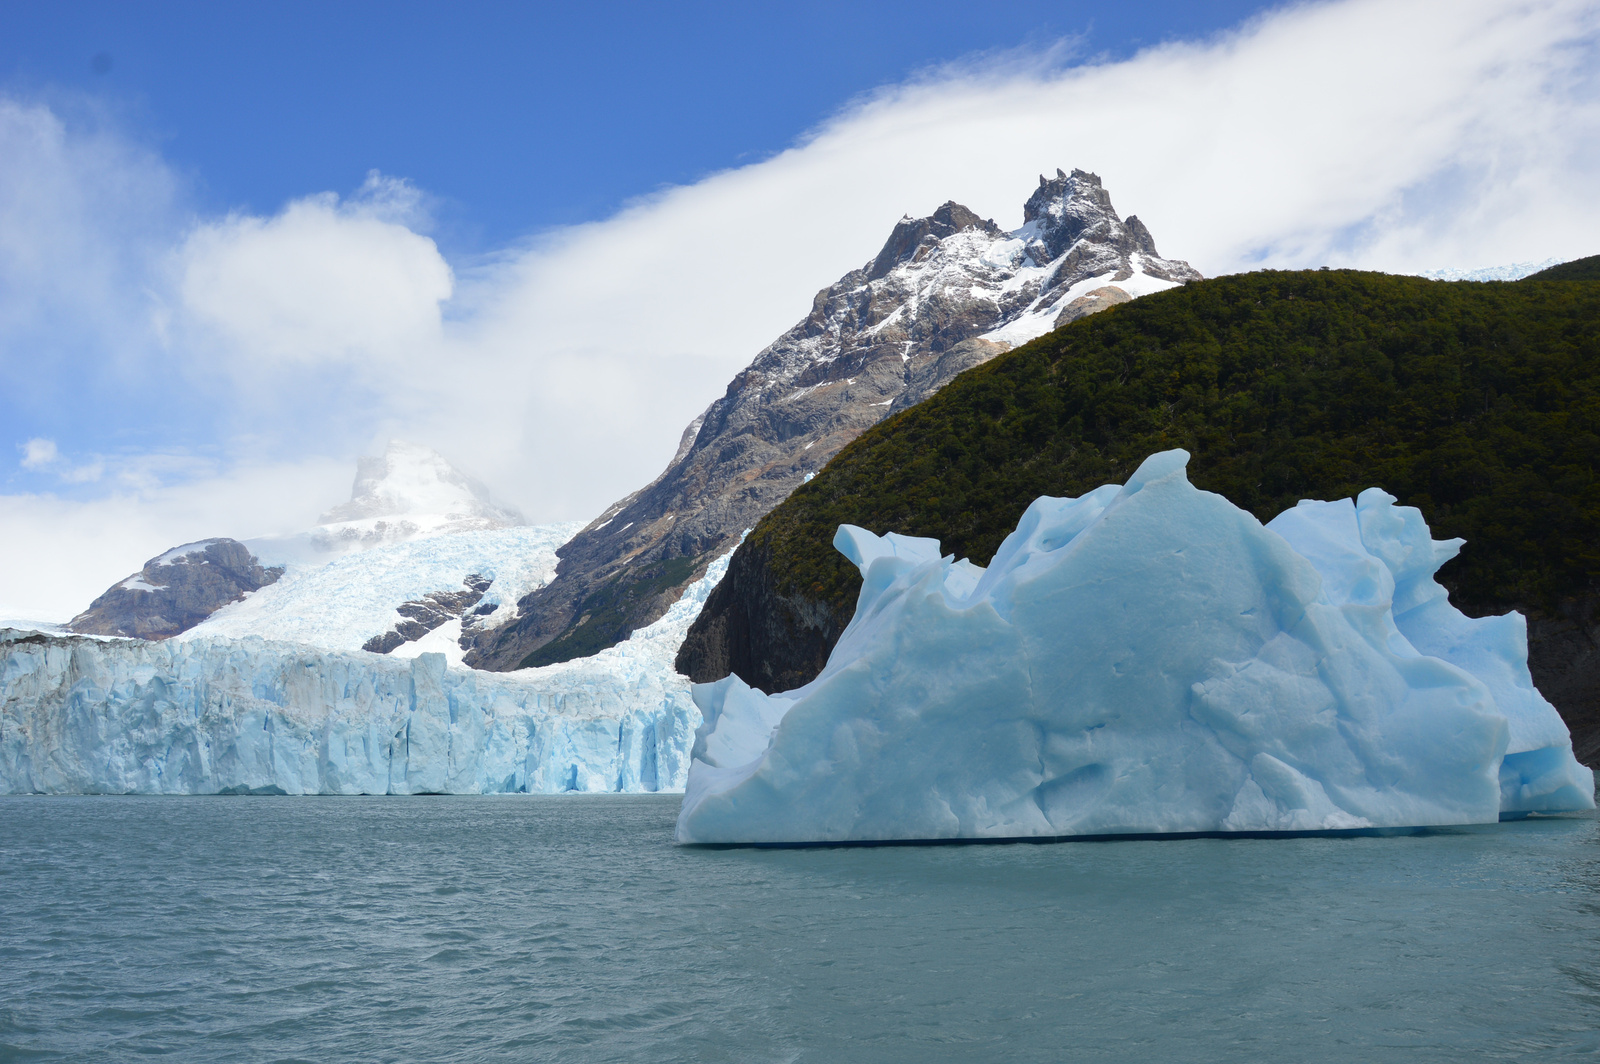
(572, 929)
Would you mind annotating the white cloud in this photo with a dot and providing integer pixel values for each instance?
(85, 215)
(1388, 134)
(61, 553)
(39, 454)
(321, 282)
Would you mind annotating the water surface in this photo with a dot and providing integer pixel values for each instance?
(571, 929)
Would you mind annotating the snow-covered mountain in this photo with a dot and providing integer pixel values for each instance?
(946, 293)
(406, 493)
(420, 551)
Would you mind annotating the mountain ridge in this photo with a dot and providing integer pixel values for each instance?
(946, 292)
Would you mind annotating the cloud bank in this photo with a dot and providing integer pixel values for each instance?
(218, 370)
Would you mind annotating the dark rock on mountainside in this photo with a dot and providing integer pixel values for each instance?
(776, 637)
(946, 293)
(1564, 657)
(176, 591)
(1477, 403)
(418, 617)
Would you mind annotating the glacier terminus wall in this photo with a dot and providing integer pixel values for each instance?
(82, 715)
(208, 717)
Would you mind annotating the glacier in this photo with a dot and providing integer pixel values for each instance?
(1144, 659)
(212, 714)
(342, 602)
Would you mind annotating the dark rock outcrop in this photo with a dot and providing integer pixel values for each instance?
(176, 591)
(774, 641)
(1564, 657)
(884, 338)
(418, 617)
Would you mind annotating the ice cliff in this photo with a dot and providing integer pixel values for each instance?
(1147, 658)
(205, 715)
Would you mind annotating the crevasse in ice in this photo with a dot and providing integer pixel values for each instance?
(1147, 658)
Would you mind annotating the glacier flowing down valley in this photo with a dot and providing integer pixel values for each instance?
(342, 603)
(210, 714)
(1145, 659)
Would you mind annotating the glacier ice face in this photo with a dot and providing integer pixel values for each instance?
(205, 715)
(1147, 658)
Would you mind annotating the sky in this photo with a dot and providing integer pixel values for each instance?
(242, 244)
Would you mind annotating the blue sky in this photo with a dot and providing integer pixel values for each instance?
(515, 116)
(252, 242)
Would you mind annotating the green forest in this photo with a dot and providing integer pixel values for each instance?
(1477, 402)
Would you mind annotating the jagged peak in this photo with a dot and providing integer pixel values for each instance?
(910, 233)
(1061, 175)
(1066, 197)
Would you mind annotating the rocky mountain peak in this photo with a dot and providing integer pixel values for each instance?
(947, 292)
(913, 237)
(1071, 207)
(176, 591)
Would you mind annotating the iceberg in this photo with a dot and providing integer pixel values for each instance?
(1145, 659)
(209, 715)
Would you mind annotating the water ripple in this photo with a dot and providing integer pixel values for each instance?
(570, 929)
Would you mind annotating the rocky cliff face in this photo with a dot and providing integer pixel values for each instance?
(946, 293)
(1564, 657)
(176, 591)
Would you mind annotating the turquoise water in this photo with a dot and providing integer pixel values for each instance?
(571, 929)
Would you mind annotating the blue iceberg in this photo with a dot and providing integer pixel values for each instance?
(1148, 658)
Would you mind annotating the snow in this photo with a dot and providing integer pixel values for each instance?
(445, 639)
(172, 556)
(411, 479)
(1147, 658)
(138, 583)
(1142, 284)
(203, 715)
(1511, 271)
(343, 603)
(1041, 315)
